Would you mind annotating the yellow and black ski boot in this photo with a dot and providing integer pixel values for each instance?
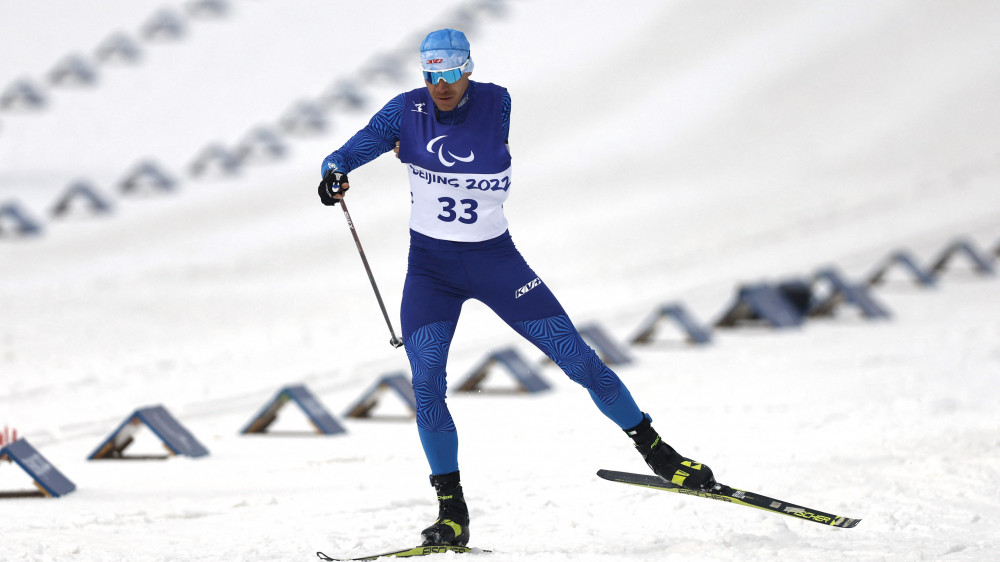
(452, 525)
(668, 463)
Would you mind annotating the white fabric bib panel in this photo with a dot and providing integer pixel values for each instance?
(458, 207)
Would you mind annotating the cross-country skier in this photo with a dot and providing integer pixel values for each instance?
(452, 135)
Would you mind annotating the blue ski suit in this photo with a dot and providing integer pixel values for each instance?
(459, 168)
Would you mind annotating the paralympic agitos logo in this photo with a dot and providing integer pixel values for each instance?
(441, 153)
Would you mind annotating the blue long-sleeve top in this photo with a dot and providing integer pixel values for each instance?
(382, 131)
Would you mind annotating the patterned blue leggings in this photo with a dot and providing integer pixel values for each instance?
(440, 277)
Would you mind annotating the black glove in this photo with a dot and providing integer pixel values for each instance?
(333, 183)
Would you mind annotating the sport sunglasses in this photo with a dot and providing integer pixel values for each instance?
(449, 75)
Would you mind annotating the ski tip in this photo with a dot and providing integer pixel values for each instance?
(845, 522)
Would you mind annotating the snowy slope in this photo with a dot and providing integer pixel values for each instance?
(669, 152)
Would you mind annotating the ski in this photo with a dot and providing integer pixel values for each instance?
(727, 494)
(408, 552)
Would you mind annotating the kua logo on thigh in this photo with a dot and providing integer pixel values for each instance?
(531, 285)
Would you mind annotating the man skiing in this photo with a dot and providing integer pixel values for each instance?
(452, 136)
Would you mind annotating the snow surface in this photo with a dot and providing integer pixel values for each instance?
(667, 152)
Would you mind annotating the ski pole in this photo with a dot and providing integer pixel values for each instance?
(393, 341)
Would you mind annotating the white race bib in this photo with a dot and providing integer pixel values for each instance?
(458, 207)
